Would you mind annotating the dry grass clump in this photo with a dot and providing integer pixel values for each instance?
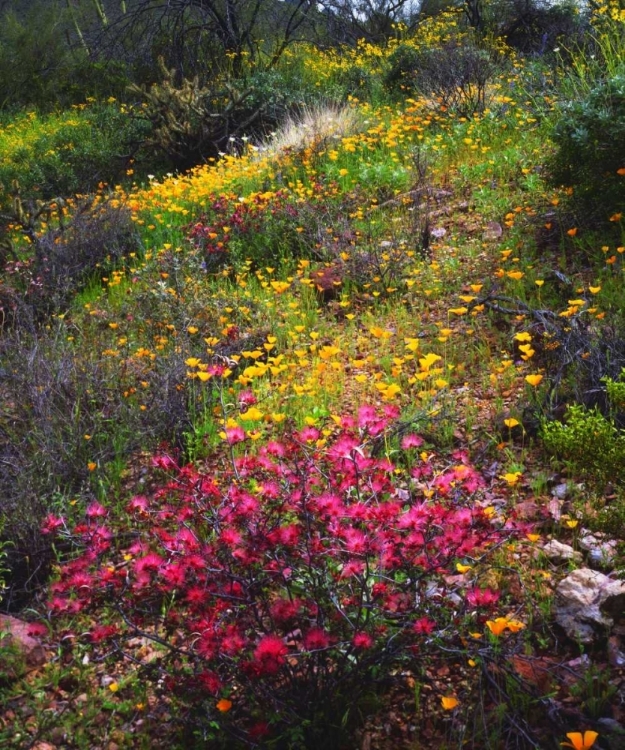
(313, 125)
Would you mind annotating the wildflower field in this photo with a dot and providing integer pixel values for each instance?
(284, 438)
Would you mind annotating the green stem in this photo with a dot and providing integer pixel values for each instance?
(77, 28)
(100, 11)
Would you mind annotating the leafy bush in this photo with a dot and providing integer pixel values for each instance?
(192, 121)
(68, 428)
(358, 81)
(589, 442)
(284, 585)
(584, 427)
(534, 26)
(456, 73)
(403, 65)
(34, 58)
(60, 260)
(592, 445)
(70, 153)
(590, 140)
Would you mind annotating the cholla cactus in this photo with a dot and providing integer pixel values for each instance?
(191, 121)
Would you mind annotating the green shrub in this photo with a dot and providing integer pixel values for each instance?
(456, 73)
(403, 66)
(589, 442)
(592, 442)
(43, 64)
(534, 27)
(69, 153)
(358, 81)
(590, 146)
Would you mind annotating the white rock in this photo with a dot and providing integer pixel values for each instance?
(601, 550)
(586, 602)
(559, 552)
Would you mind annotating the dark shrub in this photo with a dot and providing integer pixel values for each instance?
(64, 258)
(456, 74)
(403, 66)
(590, 142)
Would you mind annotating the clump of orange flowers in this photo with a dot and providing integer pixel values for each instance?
(501, 624)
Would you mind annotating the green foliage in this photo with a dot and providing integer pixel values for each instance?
(456, 73)
(43, 65)
(11, 660)
(595, 689)
(191, 121)
(592, 445)
(61, 155)
(533, 26)
(34, 59)
(403, 64)
(358, 81)
(590, 140)
(589, 442)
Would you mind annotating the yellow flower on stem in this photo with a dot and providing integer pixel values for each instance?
(512, 477)
(527, 350)
(426, 362)
(280, 286)
(497, 626)
(581, 741)
(252, 415)
(515, 625)
(533, 380)
(449, 702)
(523, 336)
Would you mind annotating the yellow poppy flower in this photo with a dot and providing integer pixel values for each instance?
(581, 741)
(449, 702)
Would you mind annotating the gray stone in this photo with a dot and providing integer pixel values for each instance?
(601, 550)
(586, 602)
(560, 491)
(559, 552)
(616, 655)
(15, 632)
(612, 731)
